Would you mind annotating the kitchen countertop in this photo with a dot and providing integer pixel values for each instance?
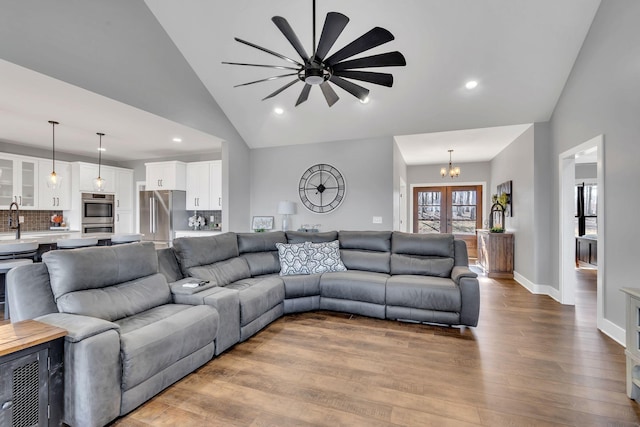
(45, 237)
(195, 233)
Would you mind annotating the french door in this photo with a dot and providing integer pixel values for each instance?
(449, 209)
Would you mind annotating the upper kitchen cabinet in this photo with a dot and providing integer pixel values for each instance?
(60, 197)
(204, 186)
(18, 181)
(86, 173)
(166, 176)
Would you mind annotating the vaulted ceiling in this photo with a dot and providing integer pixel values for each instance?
(519, 51)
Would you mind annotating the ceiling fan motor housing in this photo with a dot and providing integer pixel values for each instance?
(313, 74)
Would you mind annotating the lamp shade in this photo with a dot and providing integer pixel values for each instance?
(286, 207)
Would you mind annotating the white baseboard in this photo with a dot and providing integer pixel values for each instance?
(607, 327)
(535, 288)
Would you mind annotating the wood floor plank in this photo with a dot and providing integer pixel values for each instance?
(530, 362)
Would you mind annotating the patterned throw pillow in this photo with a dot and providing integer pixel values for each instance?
(293, 258)
(324, 257)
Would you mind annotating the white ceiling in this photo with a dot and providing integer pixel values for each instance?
(28, 100)
(520, 51)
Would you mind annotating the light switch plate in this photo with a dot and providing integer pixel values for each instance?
(21, 219)
(377, 220)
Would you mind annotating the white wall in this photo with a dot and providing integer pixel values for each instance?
(602, 97)
(399, 175)
(366, 165)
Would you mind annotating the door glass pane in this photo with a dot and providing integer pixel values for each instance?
(463, 207)
(429, 211)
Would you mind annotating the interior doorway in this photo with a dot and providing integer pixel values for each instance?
(568, 277)
(449, 209)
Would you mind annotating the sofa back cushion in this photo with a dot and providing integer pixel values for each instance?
(98, 267)
(197, 251)
(422, 254)
(260, 252)
(223, 272)
(366, 250)
(117, 301)
(303, 236)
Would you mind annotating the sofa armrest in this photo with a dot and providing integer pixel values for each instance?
(179, 288)
(92, 370)
(78, 327)
(459, 272)
(470, 301)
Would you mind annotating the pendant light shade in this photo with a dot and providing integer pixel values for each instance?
(98, 183)
(53, 180)
(452, 171)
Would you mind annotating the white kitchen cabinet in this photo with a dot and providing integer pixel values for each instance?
(18, 181)
(123, 222)
(166, 176)
(204, 186)
(88, 172)
(60, 197)
(124, 189)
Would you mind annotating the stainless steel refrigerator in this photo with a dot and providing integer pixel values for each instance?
(161, 214)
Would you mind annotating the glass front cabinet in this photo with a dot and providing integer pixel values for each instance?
(18, 181)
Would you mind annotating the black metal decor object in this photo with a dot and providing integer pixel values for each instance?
(317, 69)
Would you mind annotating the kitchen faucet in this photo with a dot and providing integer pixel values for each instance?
(15, 220)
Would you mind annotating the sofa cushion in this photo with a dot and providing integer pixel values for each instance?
(423, 266)
(302, 236)
(222, 273)
(98, 267)
(423, 292)
(301, 285)
(258, 296)
(323, 257)
(260, 242)
(154, 340)
(196, 251)
(354, 285)
(366, 240)
(117, 301)
(366, 260)
(433, 245)
(293, 258)
(262, 262)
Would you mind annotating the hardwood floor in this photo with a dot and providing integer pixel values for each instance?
(530, 362)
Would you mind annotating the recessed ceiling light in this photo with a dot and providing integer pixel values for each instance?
(101, 149)
(471, 84)
(365, 100)
(177, 139)
(279, 111)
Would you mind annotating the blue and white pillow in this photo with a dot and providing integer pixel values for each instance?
(293, 258)
(324, 257)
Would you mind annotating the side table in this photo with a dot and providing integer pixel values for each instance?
(633, 342)
(31, 374)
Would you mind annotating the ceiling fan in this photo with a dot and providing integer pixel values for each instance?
(318, 69)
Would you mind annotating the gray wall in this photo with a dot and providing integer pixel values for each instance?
(543, 195)
(366, 165)
(515, 164)
(586, 171)
(602, 97)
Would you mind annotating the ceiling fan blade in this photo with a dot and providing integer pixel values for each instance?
(333, 26)
(304, 94)
(288, 32)
(279, 67)
(264, 49)
(389, 59)
(354, 89)
(281, 89)
(267, 79)
(382, 79)
(329, 94)
(369, 40)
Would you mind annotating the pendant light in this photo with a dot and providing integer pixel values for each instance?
(453, 172)
(98, 183)
(53, 180)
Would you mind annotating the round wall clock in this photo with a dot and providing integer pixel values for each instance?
(322, 188)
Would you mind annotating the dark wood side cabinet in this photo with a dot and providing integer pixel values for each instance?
(31, 374)
(495, 253)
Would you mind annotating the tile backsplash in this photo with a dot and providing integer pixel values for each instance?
(33, 220)
(217, 218)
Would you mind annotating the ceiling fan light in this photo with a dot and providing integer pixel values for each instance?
(313, 76)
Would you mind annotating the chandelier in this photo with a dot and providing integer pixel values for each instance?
(453, 172)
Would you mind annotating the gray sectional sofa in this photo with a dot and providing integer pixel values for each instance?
(212, 292)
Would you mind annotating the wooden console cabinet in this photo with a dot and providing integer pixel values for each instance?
(31, 374)
(495, 253)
